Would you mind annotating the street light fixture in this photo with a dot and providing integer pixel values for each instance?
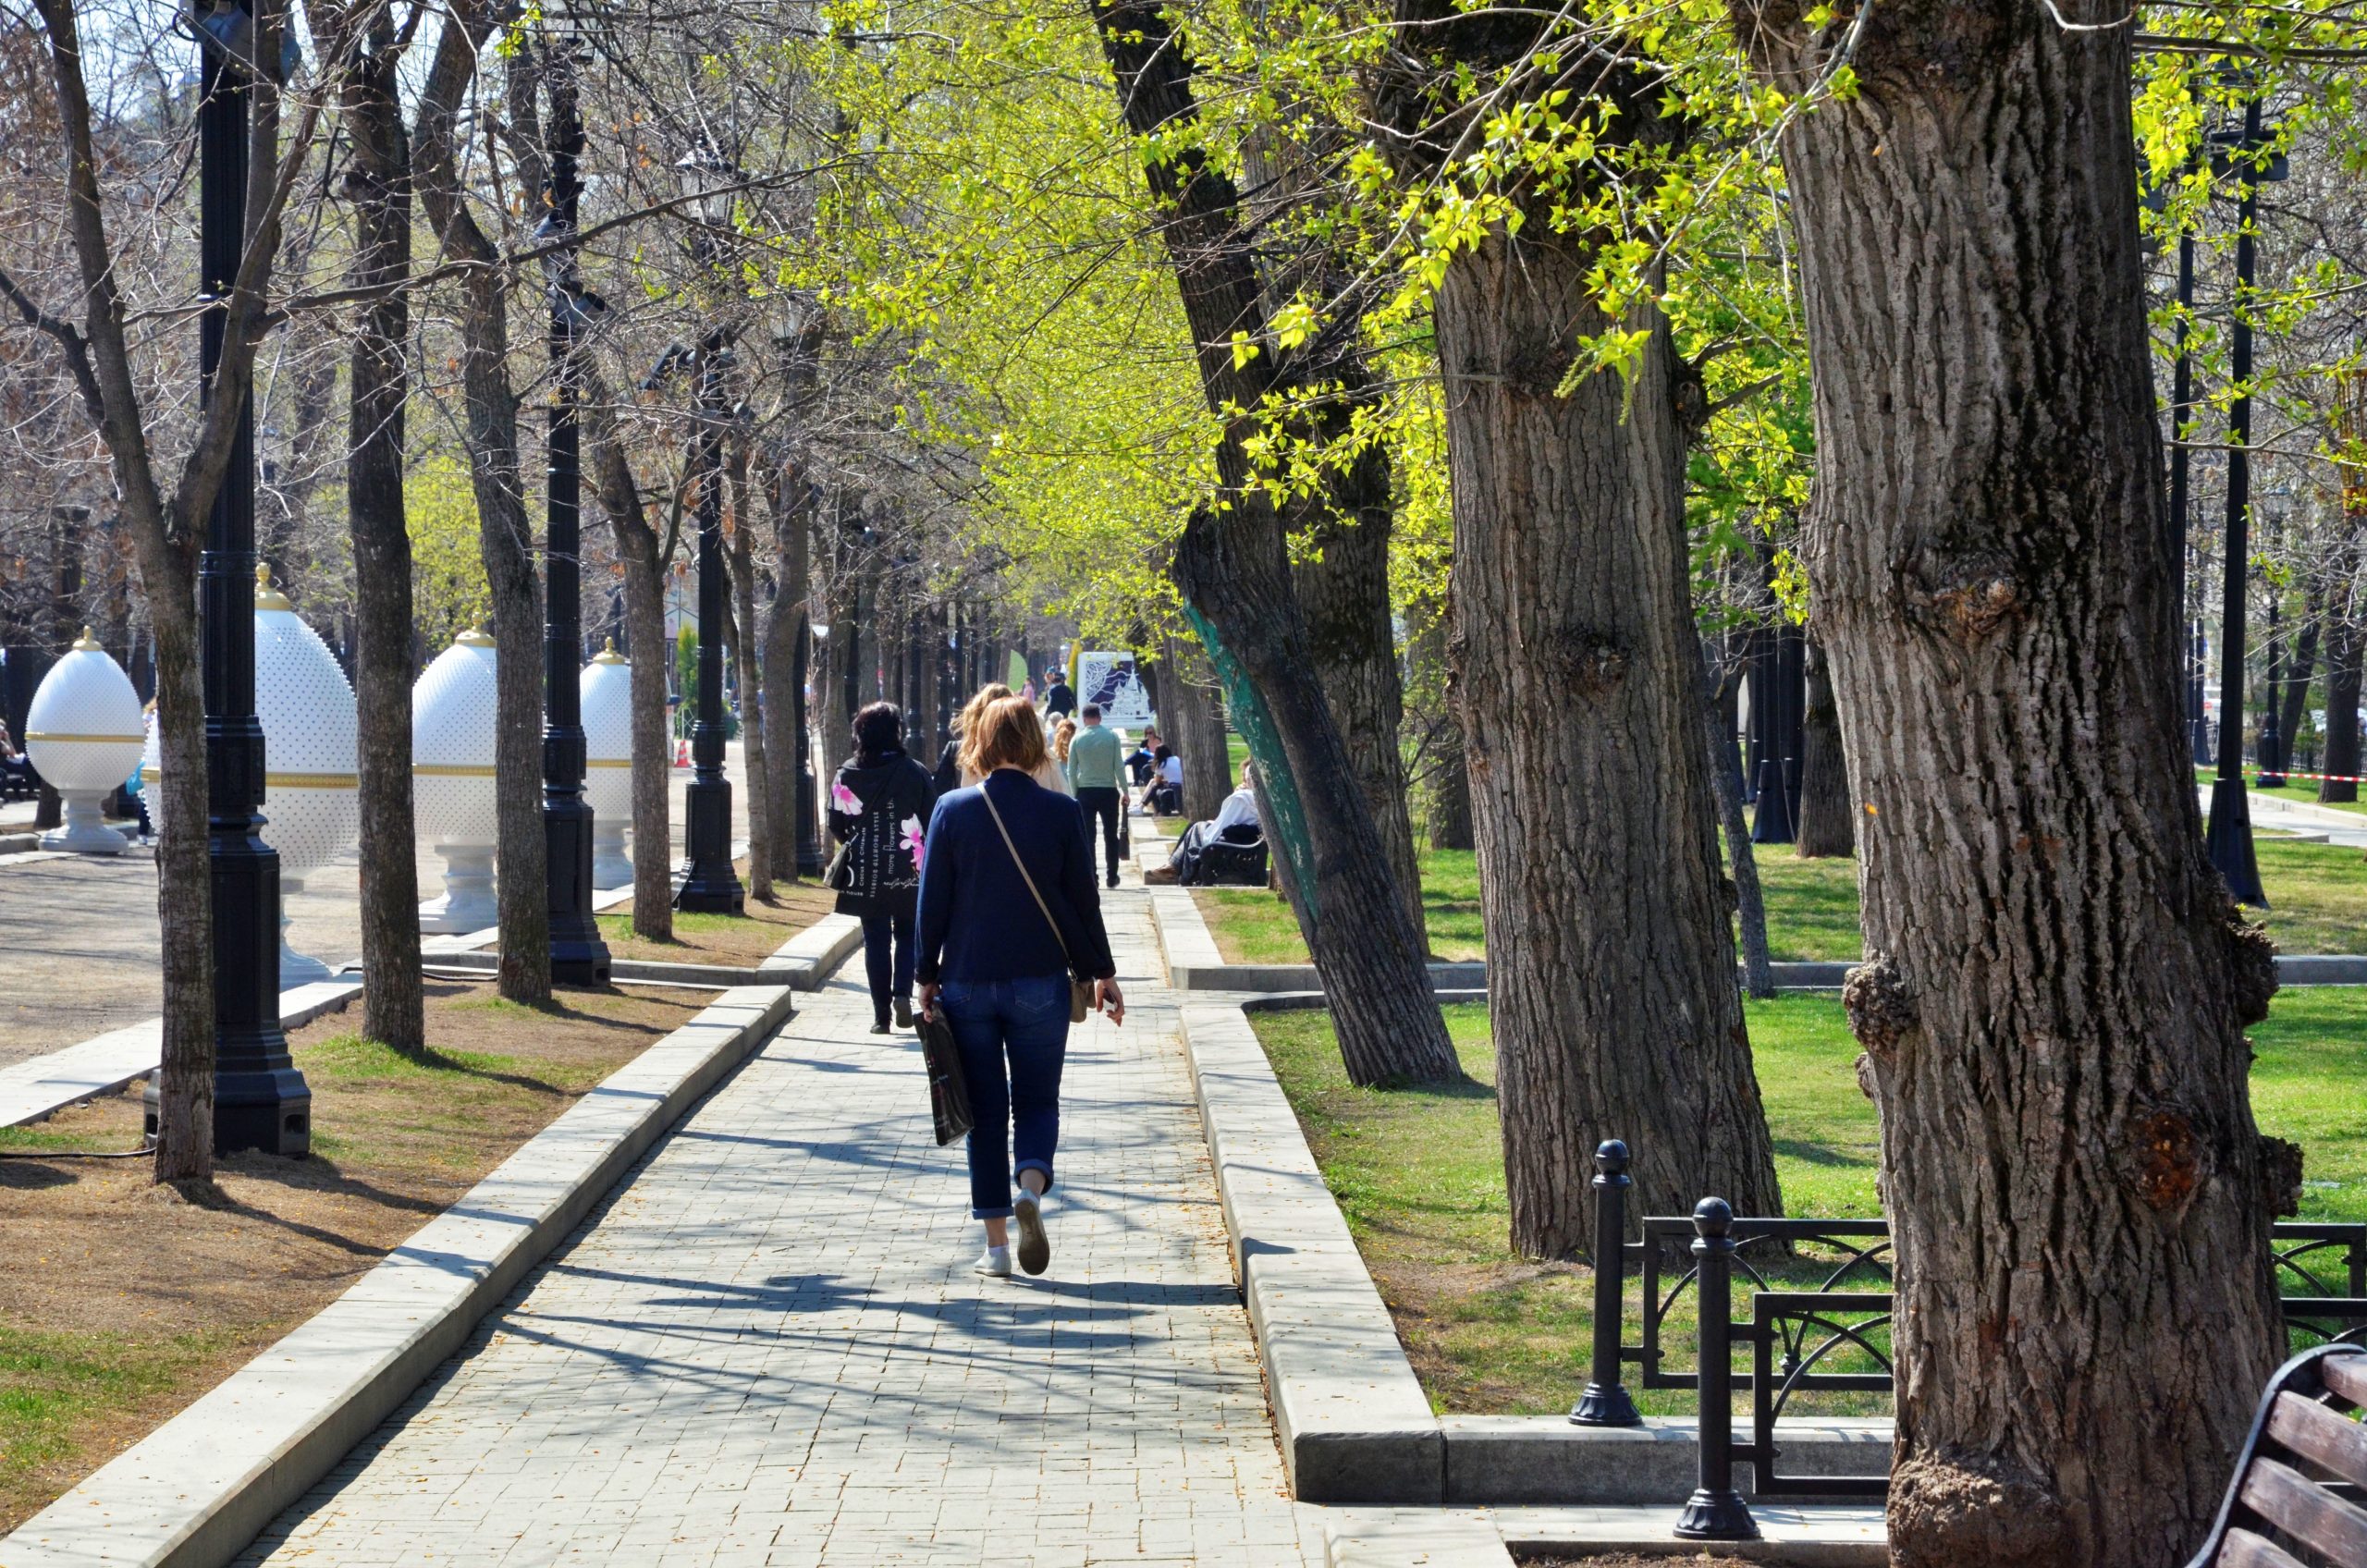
(261, 1101)
(578, 955)
(710, 881)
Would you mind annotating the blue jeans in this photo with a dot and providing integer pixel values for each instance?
(1026, 1024)
(876, 931)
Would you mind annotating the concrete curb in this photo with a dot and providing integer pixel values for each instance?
(1412, 1539)
(803, 963)
(194, 1492)
(40, 1088)
(1352, 1420)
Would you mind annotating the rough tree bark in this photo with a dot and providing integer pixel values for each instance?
(645, 555)
(1610, 958)
(1828, 824)
(740, 554)
(1233, 566)
(377, 181)
(505, 536)
(1448, 810)
(167, 527)
(1344, 587)
(2056, 983)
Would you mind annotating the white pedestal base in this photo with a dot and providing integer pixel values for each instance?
(467, 902)
(612, 867)
(295, 969)
(84, 831)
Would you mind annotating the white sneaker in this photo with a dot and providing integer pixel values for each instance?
(1035, 1246)
(995, 1261)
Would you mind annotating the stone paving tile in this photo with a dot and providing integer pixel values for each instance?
(767, 1347)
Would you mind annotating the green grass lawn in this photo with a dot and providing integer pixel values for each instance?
(2317, 895)
(1418, 1174)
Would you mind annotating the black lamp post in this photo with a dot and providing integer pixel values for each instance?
(578, 955)
(709, 882)
(261, 1101)
(2230, 838)
(2181, 521)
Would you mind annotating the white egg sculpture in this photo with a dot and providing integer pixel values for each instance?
(83, 735)
(453, 711)
(606, 693)
(312, 768)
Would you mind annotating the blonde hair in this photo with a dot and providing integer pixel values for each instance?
(1064, 737)
(1002, 732)
(993, 691)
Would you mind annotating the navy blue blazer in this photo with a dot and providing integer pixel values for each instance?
(977, 923)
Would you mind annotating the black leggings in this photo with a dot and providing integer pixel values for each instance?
(876, 931)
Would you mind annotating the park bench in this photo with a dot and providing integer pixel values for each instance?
(2307, 1422)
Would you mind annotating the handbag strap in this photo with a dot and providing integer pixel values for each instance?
(1040, 905)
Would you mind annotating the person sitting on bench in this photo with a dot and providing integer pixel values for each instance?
(1163, 794)
(1236, 823)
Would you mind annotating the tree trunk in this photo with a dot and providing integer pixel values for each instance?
(1572, 596)
(1828, 823)
(1233, 567)
(1195, 731)
(378, 183)
(1448, 808)
(505, 537)
(741, 556)
(1749, 903)
(1345, 591)
(2344, 648)
(2057, 982)
(786, 639)
(644, 554)
(2301, 670)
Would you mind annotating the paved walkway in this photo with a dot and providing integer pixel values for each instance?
(767, 1347)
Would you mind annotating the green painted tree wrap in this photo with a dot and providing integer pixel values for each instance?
(1257, 726)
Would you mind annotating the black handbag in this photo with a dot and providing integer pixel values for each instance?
(949, 1091)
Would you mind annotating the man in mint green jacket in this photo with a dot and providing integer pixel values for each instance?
(1098, 779)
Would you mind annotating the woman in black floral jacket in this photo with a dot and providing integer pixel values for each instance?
(879, 805)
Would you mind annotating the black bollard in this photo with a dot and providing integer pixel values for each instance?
(1715, 1512)
(1606, 1401)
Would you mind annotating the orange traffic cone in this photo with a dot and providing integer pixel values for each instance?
(681, 754)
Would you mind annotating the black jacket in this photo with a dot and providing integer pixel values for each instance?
(1059, 700)
(895, 800)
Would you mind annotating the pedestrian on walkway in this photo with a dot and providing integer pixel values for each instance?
(1057, 776)
(1060, 701)
(1008, 915)
(950, 776)
(1098, 777)
(878, 803)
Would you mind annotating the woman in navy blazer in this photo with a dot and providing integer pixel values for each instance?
(999, 967)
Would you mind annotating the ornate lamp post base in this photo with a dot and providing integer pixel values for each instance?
(709, 884)
(2230, 841)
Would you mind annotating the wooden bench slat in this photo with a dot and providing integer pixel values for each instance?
(2346, 1375)
(2302, 1508)
(2319, 1435)
(2244, 1549)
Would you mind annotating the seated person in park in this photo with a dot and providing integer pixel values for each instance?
(1163, 793)
(1236, 823)
(1144, 759)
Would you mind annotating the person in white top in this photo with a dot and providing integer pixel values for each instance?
(1237, 822)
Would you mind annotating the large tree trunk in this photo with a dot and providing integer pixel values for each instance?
(1448, 808)
(1345, 590)
(505, 537)
(378, 182)
(1828, 823)
(742, 557)
(1610, 953)
(1572, 596)
(2056, 983)
(644, 554)
(1233, 567)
